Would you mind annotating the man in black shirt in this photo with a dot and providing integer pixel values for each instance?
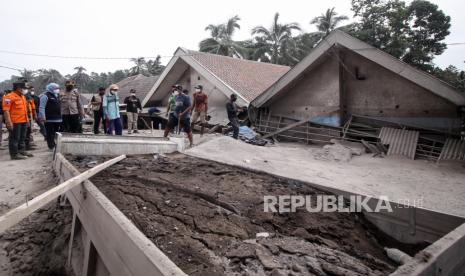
(96, 106)
(233, 110)
(133, 107)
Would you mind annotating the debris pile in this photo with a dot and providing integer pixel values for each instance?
(38, 245)
(208, 219)
(339, 151)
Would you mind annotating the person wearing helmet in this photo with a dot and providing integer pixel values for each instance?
(232, 109)
(111, 113)
(71, 108)
(14, 107)
(50, 112)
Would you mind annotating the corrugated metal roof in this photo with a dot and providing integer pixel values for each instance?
(400, 141)
(454, 149)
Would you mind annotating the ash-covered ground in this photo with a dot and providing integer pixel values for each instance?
(205, 216)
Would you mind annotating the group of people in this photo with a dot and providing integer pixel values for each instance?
(61, 110)
(181, 110)
(57, 110)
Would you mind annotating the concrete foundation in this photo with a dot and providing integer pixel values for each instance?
(115, 145)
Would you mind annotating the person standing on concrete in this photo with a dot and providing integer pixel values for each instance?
(133, 107)
(111, 113)
(175, 90)
(200, 107)
(97, 108)
(71, 108)
(50, 112)
(15, 112)
(181, 115)
(232, 109)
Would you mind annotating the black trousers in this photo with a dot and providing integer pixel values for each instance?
(98, 117)
(51, 129)
(71, 123)
(17, 138)
(235, 126)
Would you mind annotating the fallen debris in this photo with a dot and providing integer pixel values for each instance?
(187, 211)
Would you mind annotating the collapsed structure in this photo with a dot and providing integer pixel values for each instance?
(347, 88)
(220, 77)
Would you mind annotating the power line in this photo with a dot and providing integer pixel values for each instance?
(11, 68)
(79, 57)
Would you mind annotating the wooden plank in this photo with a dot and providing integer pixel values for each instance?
(16, 215)
(286, 128)
(134, 253)
(214, 128)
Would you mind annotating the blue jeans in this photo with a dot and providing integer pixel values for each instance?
(116, 125)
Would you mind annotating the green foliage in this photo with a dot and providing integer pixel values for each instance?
(452, 76)
(413, 33)
(328, 21)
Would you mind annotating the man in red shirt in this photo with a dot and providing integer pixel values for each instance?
(200, 108)
(15, 111)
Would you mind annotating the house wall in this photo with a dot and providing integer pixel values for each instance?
(216, 98)
(385, 94)
(315, 94)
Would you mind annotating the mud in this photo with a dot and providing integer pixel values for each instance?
(37, 246)
(205, 217)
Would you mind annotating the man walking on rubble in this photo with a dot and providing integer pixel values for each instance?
(200, 107)
(233, 110)
(181, 116)
(175, 90)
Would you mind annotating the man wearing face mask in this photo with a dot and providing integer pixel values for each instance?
(96, 105)
(175, 89)
(1, 119)
(232, 109)
(50, 112)
(200, 107)
(71, 108)
(181, 116)
(15, 111)
(133, 107)
(111, 111)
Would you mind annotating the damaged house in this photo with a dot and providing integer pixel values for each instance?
(348, 89)
(220, 77)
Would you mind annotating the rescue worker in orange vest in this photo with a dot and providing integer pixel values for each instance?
(15, 112)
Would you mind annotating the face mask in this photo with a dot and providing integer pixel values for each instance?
(24, 91)
(133, 94)
(197, 90)
(32, 93)
(56, 91)
(175, 93)
(114, 92)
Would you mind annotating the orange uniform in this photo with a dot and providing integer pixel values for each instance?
(17, 106)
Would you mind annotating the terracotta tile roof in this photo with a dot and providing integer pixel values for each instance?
(248, 78)
(141, 83)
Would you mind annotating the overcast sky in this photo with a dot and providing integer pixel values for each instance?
(133, 28)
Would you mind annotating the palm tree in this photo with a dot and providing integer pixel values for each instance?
(45, 77)
(140, 66)
(221, 39)
(155, 67)
(328, 21)
(275, 43)
(80, 77)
